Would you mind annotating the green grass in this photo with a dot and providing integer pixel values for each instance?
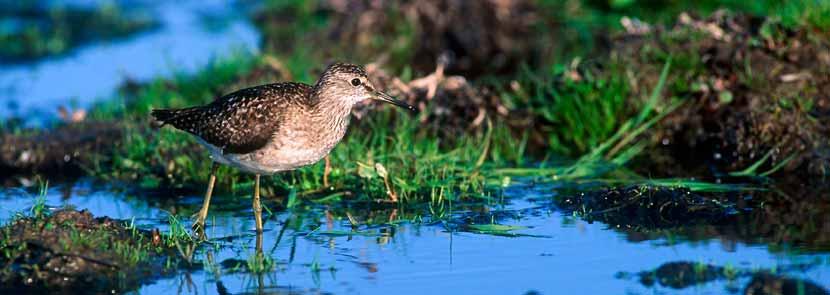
(614, 151)
(752, 170)
(605, 14)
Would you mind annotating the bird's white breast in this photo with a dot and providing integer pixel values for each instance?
(288, 150)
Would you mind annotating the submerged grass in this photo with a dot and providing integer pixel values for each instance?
(501, 230)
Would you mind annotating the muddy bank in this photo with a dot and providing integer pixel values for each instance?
(682, 275)
(64, 151)
(72, 251)
(772, 284)
(752, 90)
(781, 222)
(780, 217)
(107, 151)
(644, 207)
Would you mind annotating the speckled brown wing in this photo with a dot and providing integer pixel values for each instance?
(240, 122)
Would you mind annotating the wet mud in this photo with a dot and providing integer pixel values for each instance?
(645, 207)
(782, 218)
(72, 251)
(62, 152)
(683, 275)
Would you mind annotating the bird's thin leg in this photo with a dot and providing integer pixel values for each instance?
(257, 206)
(326, 172)
(259, 243)
(260, 256)
(199, 225)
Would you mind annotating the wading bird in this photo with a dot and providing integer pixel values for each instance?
(275, 127)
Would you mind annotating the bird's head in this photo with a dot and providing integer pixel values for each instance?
(349, 84)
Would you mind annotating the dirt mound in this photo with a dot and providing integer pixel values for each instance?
(71, 251)
(751, 87)
(683, 274)
(61, 151)
(781, 218)
(770, 284)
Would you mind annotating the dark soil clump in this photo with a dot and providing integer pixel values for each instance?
(71, 251)
(682, 275)
(679, 275)
(63, 151)
(781, 218)
(646, 207)
(752, 90)
(769, 284)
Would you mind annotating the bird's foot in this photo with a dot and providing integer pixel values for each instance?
(198, 225)
(198, 228)
(200, 217)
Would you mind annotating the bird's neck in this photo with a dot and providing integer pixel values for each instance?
(330, 112)
(321, 90)
(328, 109)
(330, 121)
(327, 100)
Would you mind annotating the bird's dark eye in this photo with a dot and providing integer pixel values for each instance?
(356, 82)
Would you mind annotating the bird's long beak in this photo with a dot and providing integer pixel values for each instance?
(387, 98)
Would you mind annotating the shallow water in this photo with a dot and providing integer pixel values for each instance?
(185, 42)
(560, 253)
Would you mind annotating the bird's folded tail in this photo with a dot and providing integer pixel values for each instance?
(184, 119)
